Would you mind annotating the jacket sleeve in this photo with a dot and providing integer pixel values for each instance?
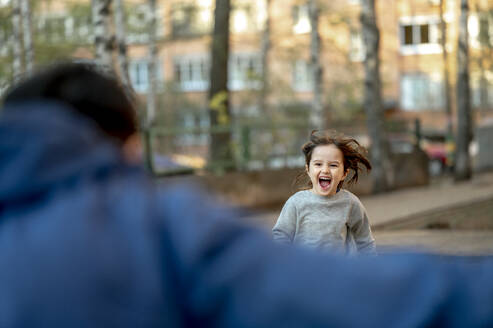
(232, 275)
(285, 228)
(360, 228)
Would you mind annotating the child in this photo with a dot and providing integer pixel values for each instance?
(324, 216)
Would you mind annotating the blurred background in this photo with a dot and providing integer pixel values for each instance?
(229, 90)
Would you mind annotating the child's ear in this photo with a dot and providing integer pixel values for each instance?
(345, 174)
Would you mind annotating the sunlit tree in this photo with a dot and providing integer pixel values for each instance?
(220, 147)
(464, 121)
(316, 118)
(446, 78)
(373, 98)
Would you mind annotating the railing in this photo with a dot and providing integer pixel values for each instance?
(254, 145)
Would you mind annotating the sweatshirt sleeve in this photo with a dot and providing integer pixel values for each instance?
(285, 228)
(359, 225)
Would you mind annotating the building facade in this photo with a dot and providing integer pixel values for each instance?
(411, 54)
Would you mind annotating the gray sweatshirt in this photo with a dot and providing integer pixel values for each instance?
(338, 223)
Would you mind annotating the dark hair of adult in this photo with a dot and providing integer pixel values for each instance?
(353, 153)
(86, 89)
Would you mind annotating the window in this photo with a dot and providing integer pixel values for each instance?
(482, 89)
(81, 27)
(52, 27)
(192, 73)
(357, 51)
(137, 23)
(137, 70)
(480, 27)
(419, 35)
(302, 76)
(421, 92)
(189, 19)
(194, 120)
(79, 23)
(301, 19)
(139, 74)
(244, 71)
(242, 19)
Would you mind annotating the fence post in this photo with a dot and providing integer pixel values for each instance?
(148, 150)
(417, 132)
(245, 143)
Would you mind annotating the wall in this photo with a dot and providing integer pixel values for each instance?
(484, 135)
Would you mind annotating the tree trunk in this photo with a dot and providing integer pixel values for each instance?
(382, 169)
(103, 39)
(484, 56)
(27, 36)
(220, 148)
(464, 122)
(121, 43)
(317, 118)
(16, 40)
(151, 64)
(446, 79)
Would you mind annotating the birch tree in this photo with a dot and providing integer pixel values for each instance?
(27, 35)
(5, 48)
(16, 40)
(373, 98)
(464, 121)
(5, 32)
(151, 63)
(120, 34)
(103, 39)
(316, 118)
(219, 111)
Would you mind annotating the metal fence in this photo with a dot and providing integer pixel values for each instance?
(254, 145)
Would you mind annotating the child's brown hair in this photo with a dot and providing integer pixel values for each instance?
(353, 153)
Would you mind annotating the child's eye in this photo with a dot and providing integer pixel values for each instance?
(334, 165)
(318, 164)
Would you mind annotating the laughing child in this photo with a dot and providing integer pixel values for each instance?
(323, 215)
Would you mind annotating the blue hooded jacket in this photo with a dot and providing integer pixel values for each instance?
(89, 241)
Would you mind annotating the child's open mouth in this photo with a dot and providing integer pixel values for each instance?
(324, 182)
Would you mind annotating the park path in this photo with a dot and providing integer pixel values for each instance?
(396, 206)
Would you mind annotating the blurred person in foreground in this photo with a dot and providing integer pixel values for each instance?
(87, 239)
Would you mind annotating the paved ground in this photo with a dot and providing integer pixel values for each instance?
(451, 242)
(440, 194)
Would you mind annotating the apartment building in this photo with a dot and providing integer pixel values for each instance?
(412, 62)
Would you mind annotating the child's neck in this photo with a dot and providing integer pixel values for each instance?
(327, 196)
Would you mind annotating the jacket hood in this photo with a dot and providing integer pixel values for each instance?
(46, 143)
